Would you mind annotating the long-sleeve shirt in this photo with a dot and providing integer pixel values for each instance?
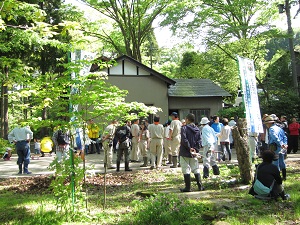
(294, 129)
(217, 127)
(267, 173)
(225, 134)
(156, 131)
(135, 129)
(175, 127)
(208, 136)
(20, 134)
(277, 136)
(190, 138)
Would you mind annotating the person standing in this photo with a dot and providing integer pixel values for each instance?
(61, 140)
(264, 136)
(107, 140)
(135, 130)
(167, 143)
(144, 143)
(217, 126)
(93, 133)
(174, 137)
(156, 131)
(231, 123)
(225, 140)
(189, 146)
(277, 143)
(37, 148)
(123, 136)
(209, 140)
(21, 136)
(294, 136)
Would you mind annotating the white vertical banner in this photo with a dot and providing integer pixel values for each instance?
(250, 97)
(79, 55)
(76, 56)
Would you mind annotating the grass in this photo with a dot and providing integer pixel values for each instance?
(225, 199)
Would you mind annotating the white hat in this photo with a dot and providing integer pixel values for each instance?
(204, 120)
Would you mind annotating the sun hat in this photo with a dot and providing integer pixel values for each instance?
(269, 119)
(204, 120)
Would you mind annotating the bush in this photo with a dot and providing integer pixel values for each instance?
(236, 112)
(3, 145)
(167, 209)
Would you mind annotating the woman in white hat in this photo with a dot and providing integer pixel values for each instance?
(209, 140)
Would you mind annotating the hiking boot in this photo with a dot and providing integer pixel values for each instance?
(187, 181)
(127, 167)
(205, 172)
(118, 166)
(216, 170)
(174, 160)
(145, 162)
(199, 183)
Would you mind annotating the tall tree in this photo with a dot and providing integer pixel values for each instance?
(20, 30)
(234, 27)
(132, 23)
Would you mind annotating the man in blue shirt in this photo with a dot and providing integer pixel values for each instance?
(217, 126)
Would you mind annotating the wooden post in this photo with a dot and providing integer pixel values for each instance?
(240, 137)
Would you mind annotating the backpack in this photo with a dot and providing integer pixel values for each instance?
(121, 134)
(62, 138)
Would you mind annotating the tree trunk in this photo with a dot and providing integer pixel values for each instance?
(240, 137)
(1, 111)
(4, 105)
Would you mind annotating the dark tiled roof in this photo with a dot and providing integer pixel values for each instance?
(196, 88)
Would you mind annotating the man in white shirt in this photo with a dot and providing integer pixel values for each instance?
(135, 150)
(21, 136)
(156, 131)
(175, 138)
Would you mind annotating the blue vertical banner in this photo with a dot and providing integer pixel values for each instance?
(250, 97)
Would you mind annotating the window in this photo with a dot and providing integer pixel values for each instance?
(199, 113)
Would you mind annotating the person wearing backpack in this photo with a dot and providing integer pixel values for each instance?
(123, 136)
(61, 139)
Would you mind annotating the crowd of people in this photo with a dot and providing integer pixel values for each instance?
(175, 142)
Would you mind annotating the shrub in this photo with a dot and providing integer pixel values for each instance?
(3, 145)
(167, 209)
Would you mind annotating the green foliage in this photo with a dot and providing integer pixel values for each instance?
(236, 112)
(287, 104)
(166, 209)
(62, 186)
(132, 22)
(279, 97)
(4, 144)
